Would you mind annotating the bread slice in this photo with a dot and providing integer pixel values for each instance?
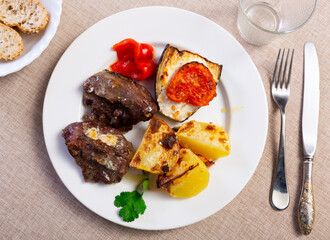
(11, 44)
(172, 60)
(29, 16)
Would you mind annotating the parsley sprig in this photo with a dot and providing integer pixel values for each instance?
(132, 203)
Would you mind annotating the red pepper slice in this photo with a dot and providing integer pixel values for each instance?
(135, 60)
(193, 83)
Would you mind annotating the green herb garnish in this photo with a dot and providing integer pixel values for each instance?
(132, 203)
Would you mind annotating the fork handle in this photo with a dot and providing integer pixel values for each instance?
(280, 194)
(306, 209)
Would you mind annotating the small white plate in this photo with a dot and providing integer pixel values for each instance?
(35, 44)
(240, 106)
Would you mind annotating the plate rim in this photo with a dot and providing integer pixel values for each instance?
(262, 93)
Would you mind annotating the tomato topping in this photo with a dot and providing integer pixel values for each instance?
(135, 60)
(193, 83)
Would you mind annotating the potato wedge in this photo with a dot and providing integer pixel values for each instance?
(206, 139)
(188, 177)
(158, 151)
(206, 161)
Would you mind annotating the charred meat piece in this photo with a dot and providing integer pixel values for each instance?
(102, 152)
(117, 101)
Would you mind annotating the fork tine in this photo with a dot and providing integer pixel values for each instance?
(284, 71)
(274, 75)
(279, 83)
(290, 67)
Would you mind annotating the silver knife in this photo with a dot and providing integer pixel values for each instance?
(310, 116)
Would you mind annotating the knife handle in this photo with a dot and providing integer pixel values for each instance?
(306, 209)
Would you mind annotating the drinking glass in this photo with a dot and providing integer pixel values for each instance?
(260, 22)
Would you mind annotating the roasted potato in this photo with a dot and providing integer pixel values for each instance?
(158, 151)
(188, 177)
(206, 139)
(205, 160)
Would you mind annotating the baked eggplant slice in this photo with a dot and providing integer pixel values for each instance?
(171, 61)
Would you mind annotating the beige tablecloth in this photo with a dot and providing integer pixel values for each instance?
(34, 203)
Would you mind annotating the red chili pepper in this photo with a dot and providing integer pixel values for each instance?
(135, 60)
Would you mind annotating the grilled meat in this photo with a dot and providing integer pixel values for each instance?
(117, 101)
(102, 152)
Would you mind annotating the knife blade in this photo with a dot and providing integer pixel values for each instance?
(311, 100)
(310, 114)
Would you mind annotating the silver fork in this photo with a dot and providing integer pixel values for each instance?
(280, 92)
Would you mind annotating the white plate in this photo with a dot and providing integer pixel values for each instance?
(240, 92)
(35, 44)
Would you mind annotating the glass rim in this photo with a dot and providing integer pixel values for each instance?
(276, 32)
